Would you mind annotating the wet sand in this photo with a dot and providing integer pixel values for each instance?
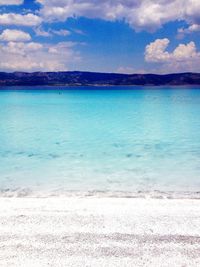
(93, 231)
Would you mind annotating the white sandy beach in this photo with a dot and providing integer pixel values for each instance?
(99, 232)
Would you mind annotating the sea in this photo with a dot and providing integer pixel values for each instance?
(123, 141)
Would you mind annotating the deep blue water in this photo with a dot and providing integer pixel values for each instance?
(143, 139)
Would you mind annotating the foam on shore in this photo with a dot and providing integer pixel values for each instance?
(154, 194)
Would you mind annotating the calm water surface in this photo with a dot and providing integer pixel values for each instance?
(56, 140)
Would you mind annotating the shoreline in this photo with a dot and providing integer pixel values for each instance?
(62, 193)
(73, 231)
(96, 86)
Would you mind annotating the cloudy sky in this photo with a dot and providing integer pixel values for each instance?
(127, 36)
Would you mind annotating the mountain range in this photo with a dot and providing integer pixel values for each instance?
(79, 78)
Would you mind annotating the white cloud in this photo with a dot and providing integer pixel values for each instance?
(14, 35)
(62, 47)
(50, 32)
(155, 51)
(11, 2)
(184, 57)
(79, 31)
(41, 32)
(20, 48)
(32, 56)
(143, 14)
(18, 19)
(129, 70)
(191, 29)
(185, 52)
(61, 32)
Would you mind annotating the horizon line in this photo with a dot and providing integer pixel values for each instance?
(99, 72)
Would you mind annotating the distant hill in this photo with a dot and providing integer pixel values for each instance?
(79, 78)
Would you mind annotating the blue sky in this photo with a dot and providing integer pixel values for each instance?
(128, 36)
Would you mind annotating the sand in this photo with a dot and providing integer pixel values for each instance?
(74, 231)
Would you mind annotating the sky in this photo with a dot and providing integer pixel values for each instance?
(123, 36)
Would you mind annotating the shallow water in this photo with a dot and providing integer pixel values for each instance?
(57, 140)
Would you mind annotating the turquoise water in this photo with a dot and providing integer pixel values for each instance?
(54, 140)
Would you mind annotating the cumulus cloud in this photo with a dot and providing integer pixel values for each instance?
(148, 15)
(143, 14)
(14, 35)
(155, 51)
(18, 19)
(32, 56)
(184, 57)
(11, 2)
(20, 48)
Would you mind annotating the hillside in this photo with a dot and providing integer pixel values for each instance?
(73, 78)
